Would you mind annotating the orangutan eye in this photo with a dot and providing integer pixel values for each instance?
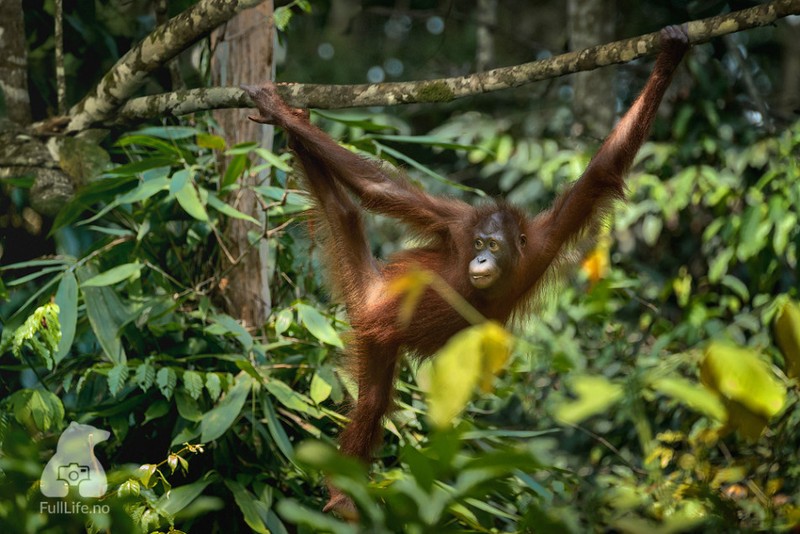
(494, 246)
(478, 244)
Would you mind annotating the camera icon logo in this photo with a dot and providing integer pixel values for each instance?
(74, 467)
(73, 474)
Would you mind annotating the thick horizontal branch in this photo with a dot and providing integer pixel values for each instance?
(163, 43)
(447, 89)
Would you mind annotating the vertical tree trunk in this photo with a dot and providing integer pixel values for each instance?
(14, 62)
(788, 104)
(592, 22)
(487, 19)
(243, 53)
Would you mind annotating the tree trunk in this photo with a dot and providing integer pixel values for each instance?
(592, 22)
(788, 104)
(487, 20)
(243, 53)
(14, 62)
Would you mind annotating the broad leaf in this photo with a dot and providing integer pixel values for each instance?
(318, 325)
(217, 421)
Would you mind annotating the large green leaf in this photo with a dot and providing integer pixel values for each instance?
(176, 499)
(189, 199)
(319, 327)
(106, 313)
(67, 301)
(252, 509)
(113, 275)
(220, 418)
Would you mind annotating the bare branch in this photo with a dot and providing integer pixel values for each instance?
(447, 89)
(164, 43)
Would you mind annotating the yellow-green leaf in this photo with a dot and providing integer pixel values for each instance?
(454, 374)
(213, 142)
(496, 347)
(693, 396)
(595, 395)
(787, 334)
(471, 357)
(410, 288)
(740, 375)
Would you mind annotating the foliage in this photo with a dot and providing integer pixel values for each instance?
(658, 391)
(639, 420)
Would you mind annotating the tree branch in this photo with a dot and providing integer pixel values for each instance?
(163, 43)
(447, 89)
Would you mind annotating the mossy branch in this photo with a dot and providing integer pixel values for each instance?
(448, 89)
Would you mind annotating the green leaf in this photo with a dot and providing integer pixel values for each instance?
(252, 509)
(693, 396)
(188, 408)
(318, 326)
(595, 395)
(320, 389)
(787, 334)
(168, 132)
(229, 210)
(189, 200)
(328, 460)
(273, 159)
(214, 142)
(220, 418)
(752, 233)
(145, 190)
(236, 167)
(281, 17)
(67, 301)
(34, 275)
(176, 499)
(276, 429)
(290, 398)
(193, 382)
(227, 325)
(145, 375)
(313, 520)
(25, 182)
(114, 275)
(651, 229)
(156, 410)
(166, 379)
(106, 314)
(283, 321)
(719, 265)
(37, 410)
(117, 377)
(133, 169)
(213, 386)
